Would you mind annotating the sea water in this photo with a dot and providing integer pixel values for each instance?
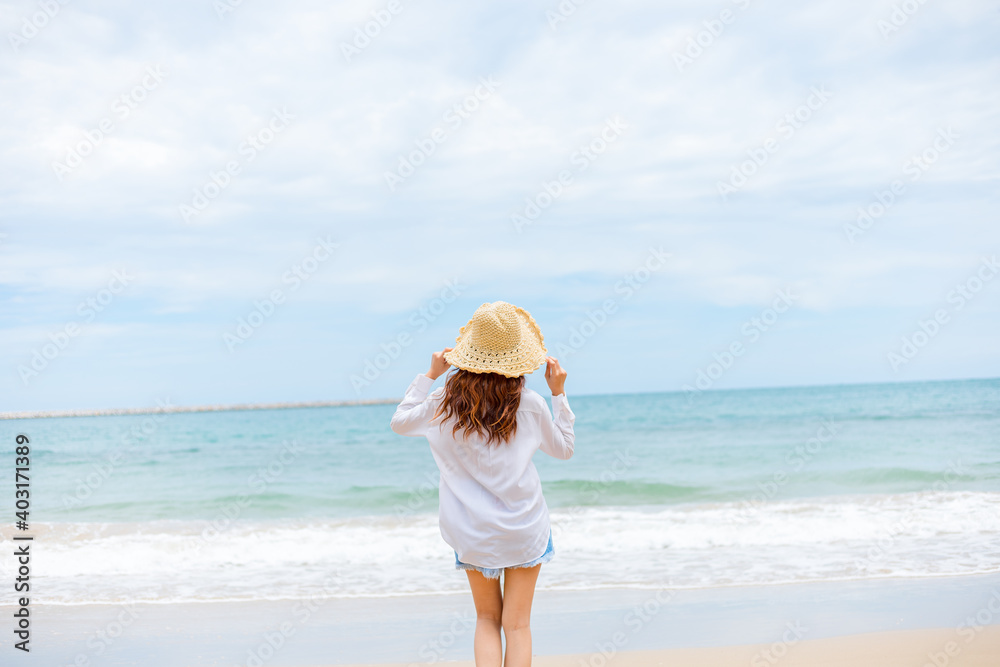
(723, 488)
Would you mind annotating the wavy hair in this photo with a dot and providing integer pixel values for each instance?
(482, 403)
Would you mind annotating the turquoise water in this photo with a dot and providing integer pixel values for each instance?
(724, 488)
(631, 450)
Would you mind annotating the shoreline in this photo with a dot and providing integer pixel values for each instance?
(741, 589)
(901, 619)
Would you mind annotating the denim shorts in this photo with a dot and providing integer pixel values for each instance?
(494, 573)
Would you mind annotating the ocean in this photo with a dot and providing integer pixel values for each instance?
(725, 488)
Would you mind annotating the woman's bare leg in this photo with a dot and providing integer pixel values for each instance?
(518, 591)
(489, 614)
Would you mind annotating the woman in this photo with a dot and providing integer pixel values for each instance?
(484, 426)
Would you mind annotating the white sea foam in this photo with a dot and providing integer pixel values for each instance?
(683, 546)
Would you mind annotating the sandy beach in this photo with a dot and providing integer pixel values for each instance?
(943, 621)
(915, 648)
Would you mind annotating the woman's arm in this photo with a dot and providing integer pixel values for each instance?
(558, 438)
(415, 412)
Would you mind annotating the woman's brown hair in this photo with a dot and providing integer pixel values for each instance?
(482, 403)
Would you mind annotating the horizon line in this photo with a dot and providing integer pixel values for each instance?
(170, 409)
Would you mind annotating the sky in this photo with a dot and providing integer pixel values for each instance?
(220, 202)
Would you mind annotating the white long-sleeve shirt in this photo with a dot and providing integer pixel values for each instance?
(490, 505)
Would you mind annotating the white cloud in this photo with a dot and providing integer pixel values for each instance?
(656, 184)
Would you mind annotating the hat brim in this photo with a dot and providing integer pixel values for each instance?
(525, 359)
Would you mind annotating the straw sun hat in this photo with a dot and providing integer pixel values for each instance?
(500, 338)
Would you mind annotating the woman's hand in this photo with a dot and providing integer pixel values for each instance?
(438, 364)
(555, 375)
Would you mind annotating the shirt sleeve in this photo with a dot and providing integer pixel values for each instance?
(414, 412)
(558, 438)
